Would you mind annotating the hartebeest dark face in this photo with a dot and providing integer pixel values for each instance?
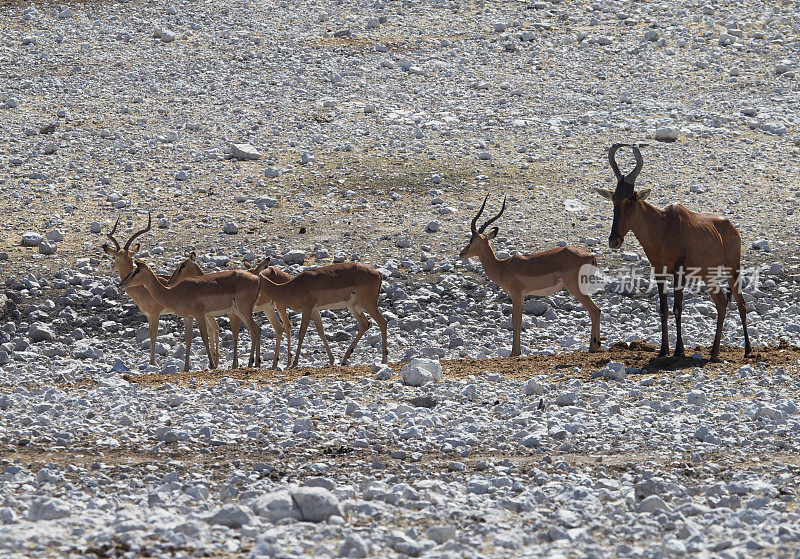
(625, 209)
(626, 200)
(479, 242)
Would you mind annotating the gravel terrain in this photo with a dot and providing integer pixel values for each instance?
(323, 132)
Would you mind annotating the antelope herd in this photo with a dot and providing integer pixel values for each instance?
(677, 242)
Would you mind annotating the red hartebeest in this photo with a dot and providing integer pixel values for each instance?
(543, 273)
(678, 243)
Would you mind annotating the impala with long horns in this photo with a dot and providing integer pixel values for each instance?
(543, 273)
(193, 299)
(123, 265)
(681, 244)
(349, 285)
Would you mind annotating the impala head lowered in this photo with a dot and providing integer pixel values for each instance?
(123, 256)
(479, 238)
(187, 269)
(626, 199)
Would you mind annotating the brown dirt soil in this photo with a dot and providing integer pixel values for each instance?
(638, 355)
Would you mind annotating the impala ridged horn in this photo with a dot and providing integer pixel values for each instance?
(111, 235)
(495, 218)
(139, 232)
(475, 219)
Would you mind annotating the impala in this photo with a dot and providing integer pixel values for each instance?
(189, 268)
(194, 298)
(347, 285)
(123, 265)
(679, 243)
(543, 273)
(269, 307)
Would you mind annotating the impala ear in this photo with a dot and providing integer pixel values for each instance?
(642, 194)
(192, 255)
(109, 250)
(134, 249)
(492, 233)
(247, 265)
(605, 193)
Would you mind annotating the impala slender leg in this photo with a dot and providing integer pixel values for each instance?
(363, 326)
(287, 329)
(735, 281)
(721, 302)
(516, 322)
(235, 327)
(383, 324)
(303, 327)
(661, 282)
(255, 337)
(152, 324)
(278, 327)
(677, 309)
(188, 341)
(574, 287)
(214, 336)
(203, 326)
(321, 332)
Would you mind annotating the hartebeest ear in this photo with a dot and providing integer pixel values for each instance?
(492, 233)
(605, 193)
(109, 250)
(642, 194)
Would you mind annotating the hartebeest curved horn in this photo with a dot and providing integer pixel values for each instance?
(111, 235)
(631, 178)
(475, 219)
(495, 218)
(612, 151)
(140, 232)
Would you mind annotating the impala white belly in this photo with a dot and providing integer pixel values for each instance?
(547, 290)
(339, 304)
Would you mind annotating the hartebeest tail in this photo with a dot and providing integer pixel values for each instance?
(681, 244)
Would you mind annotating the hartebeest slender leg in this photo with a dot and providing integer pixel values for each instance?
(662, 312)
(677, 309)
(188, 342)
(516, 323)
(721, 302)
(736, 288)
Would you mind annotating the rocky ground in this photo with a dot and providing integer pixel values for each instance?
(371, 131)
